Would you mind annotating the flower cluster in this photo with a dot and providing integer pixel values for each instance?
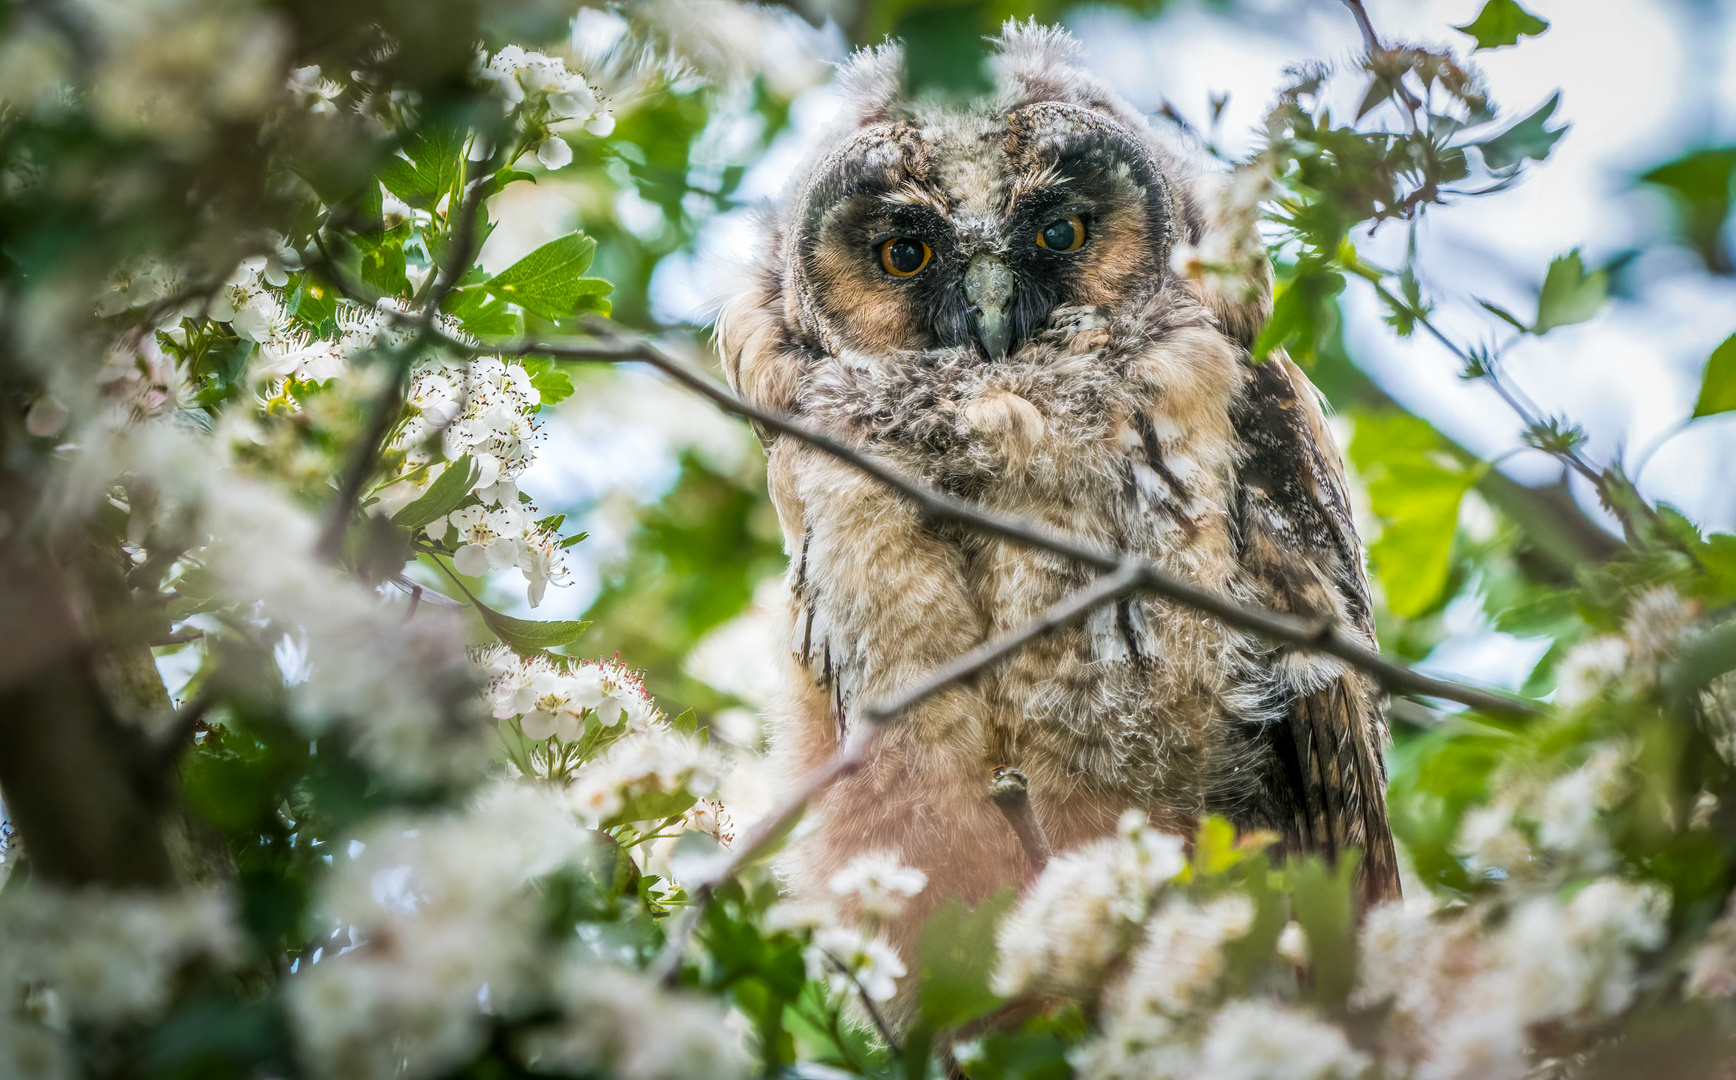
(554, 697)
(851, 962)
(543, 92)
(84, 957)
(878, 883)
(427, 912)
(657, 761)
(1466, 989)
(1085, 910)
(1230, 258)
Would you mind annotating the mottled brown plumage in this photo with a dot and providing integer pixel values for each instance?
(1095, 391)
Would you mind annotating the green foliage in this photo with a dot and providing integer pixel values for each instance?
(1570, 295)
(452, 487)
(1702, 185)
(548, 281)
(1718, 385)
(1531, 139)
(957, 950)
(1502, 22)
(1415, 489)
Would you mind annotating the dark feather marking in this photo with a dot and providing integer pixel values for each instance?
(1124, 623)
(808, 635)
(1154, 458)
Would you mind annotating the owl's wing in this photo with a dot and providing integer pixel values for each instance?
(1324, 776)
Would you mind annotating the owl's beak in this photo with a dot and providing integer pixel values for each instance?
(988, 285)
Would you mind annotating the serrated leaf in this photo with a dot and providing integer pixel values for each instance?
(381, 260)
(1702, 184)
(435, 159)
(548, 282)
(449, 489)
(957, 948)
(482, 314)
(1303, 313)
(1529, 138)
(551, 382)
(1570, 295)
(1502, 22)
(1718, 385)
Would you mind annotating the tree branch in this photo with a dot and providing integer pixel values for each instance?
(1267, 623)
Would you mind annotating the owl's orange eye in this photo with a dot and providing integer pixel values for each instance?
(1063, 234)
(903, 256)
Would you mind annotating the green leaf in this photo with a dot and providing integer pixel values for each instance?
(526, 635)
(958, 954)
(1323, 905)
(1502, 22)
(1570, 295)
(435, 161)
(653, 806)
(1417, 496)
(382, 260)
(553, 383)
(449, 489)
(1529, 138)
(548, 281)
(1718, 387)
(1702, 185)
(1303, 314)
(484, 315)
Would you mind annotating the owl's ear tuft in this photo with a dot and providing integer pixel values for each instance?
(1036, 63)
(873, 84)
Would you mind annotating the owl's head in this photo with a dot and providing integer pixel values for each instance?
(921, 226)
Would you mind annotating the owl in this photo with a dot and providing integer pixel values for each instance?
(982, 297)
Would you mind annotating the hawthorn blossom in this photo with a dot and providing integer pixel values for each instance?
(879, 882)
(845, 960)
(1084, 909)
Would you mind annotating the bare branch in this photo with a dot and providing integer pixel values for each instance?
(390, 403)
(1267, 623)
(880, 1024)
(751, 846)
(1065, 611)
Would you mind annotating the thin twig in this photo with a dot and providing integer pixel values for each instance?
(1270, 624)
(1372, 41)
(667, 967)
(880, 1024)
(1067, 610)
(384, 415)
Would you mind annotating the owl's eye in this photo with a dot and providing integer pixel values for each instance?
(1063, 234)
(903, 256)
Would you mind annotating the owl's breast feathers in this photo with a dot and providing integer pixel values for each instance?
(1148, 431)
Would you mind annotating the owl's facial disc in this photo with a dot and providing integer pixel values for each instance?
(969, 230)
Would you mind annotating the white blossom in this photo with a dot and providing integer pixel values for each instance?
(109, 956)
(879, 882)
(554, 153)
(620, 1023)
(1257, 1040)
(440, 906)
(1084, 909)
(846, 959)
(1588, 669)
